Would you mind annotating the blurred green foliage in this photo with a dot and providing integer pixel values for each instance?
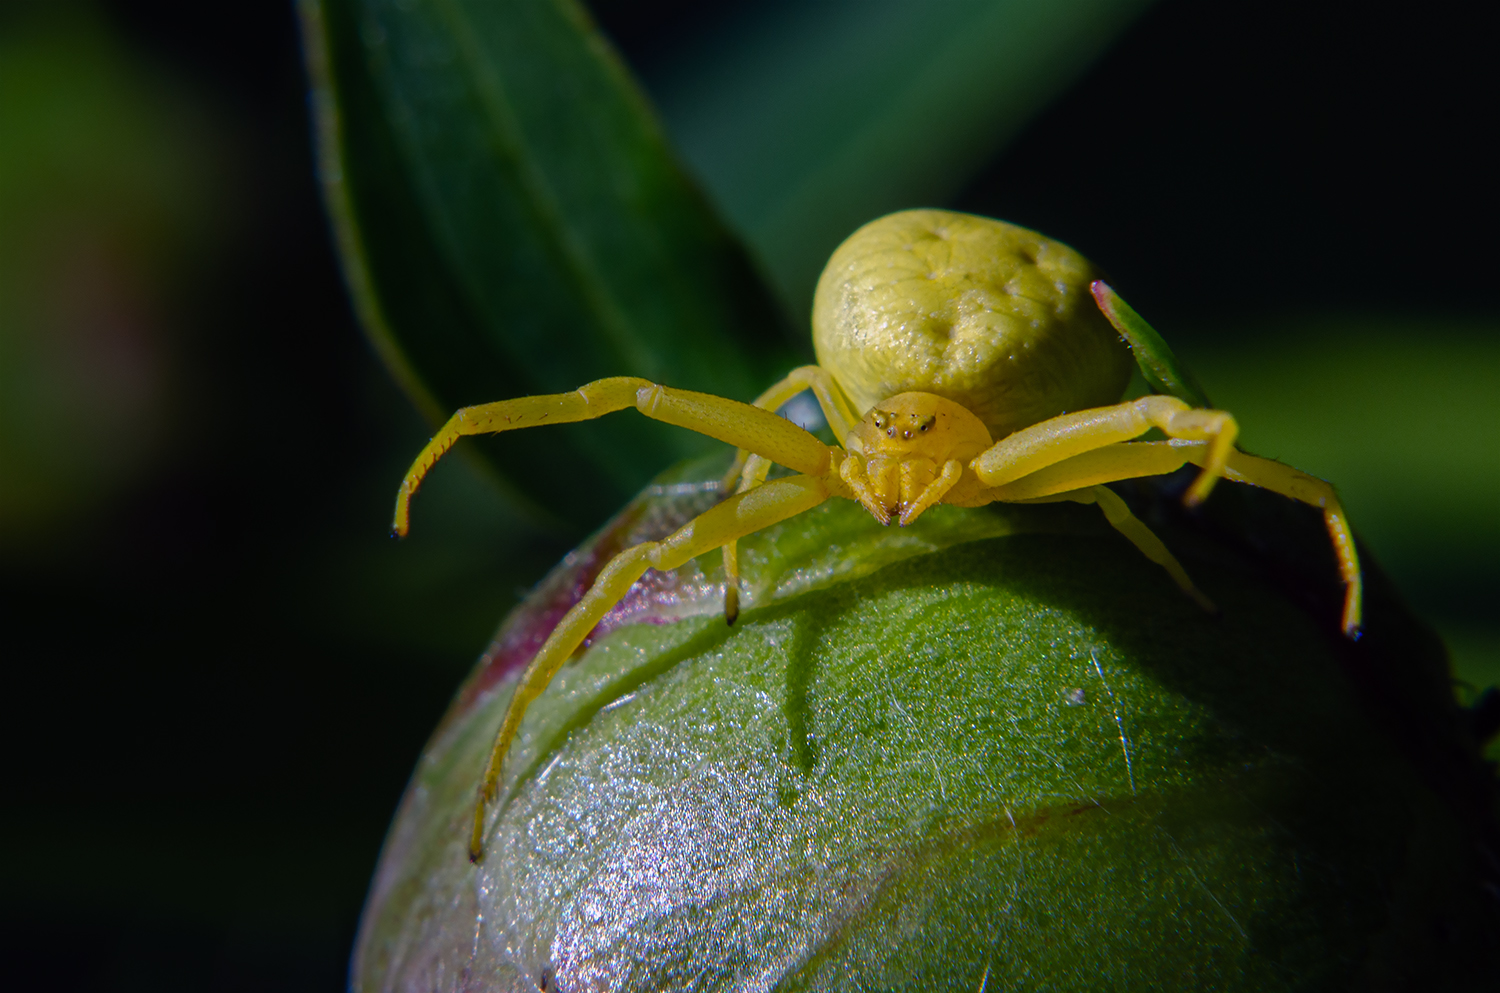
(804, 121)
(106, 191)
(513, 222)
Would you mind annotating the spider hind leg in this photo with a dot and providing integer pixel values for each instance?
(1137, 533)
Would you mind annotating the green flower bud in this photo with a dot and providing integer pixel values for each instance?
(996, 750)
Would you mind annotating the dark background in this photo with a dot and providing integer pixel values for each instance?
(218, 670)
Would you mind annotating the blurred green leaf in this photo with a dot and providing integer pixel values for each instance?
(996, 749)
(513, 222)
(805, 120)
(1401, 414)
(111, 193)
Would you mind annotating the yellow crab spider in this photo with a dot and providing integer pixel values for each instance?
(936, 334)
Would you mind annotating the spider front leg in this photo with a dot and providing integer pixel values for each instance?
(1130, 460)
(1315, 492)
(752, 469)
(740, 515)
(1053, 441)
(739, 424)
(831, 401)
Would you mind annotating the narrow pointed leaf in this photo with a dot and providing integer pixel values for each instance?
(1163, 372)
(513, 221)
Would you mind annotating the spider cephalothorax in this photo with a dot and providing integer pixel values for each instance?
(912, 451)
(963, 361)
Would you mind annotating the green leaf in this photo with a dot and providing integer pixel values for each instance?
(1153, 355)
(805, 120)
(997, 749)
(512, 222)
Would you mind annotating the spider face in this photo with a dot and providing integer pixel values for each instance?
(918, 426)
(888, 422)
(902, 446)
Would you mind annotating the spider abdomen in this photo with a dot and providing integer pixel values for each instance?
(994, 317)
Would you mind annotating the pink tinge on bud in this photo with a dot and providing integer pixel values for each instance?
(1105, 297)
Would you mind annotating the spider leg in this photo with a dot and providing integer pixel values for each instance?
(1311, 490)
(1041, 445)
(752, 470)
(753, 475)
(831, 400)
(1133, 528)
(740, 515)
(1122, 460)
(739, 424)
(1154, 458)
